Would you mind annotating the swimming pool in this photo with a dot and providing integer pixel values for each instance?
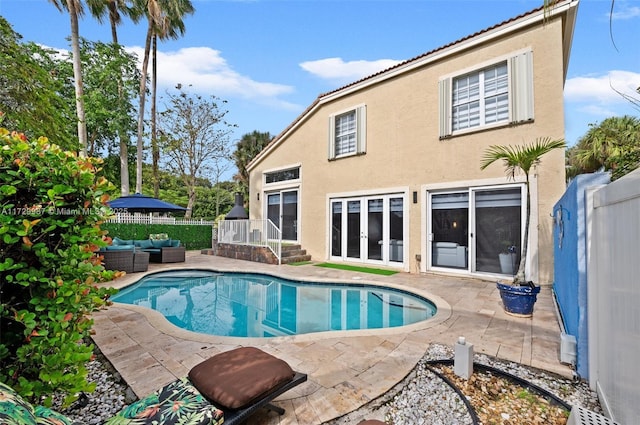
(259, 305)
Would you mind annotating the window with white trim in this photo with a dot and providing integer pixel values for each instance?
(499, 93)
(347, 133)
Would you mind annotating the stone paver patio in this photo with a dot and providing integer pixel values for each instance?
(346, 369)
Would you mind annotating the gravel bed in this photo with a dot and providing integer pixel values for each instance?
(421, 398)
(110, 396)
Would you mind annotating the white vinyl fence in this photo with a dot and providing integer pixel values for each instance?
(151, 219)
(613, 235)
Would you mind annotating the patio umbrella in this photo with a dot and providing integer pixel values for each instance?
(143, 204)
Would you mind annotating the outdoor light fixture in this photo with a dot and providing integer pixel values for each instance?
(415, 197)
(463, 358)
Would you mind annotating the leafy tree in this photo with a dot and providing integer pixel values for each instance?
(113, 9)
(613, 145)
(74, 8)
(521, 158)
(52, 204)
(30, 92)
(249, 145)
(110, 111)
(194, 136)
(213, 201)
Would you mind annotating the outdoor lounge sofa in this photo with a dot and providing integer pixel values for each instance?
(160, 250)
(227, 388)
(129, 261)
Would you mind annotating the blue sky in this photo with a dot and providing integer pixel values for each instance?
(270, 59)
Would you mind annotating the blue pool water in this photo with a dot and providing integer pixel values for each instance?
(258, 305)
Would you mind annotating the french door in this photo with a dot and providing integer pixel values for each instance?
(368, 229)
(282, 210)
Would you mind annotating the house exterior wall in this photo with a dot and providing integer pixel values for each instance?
(404, 153)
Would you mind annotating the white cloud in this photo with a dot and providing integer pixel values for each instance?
(626, 12)
(337, 70)
(208, 72)
(603, 90)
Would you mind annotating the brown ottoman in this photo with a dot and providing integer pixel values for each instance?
(236, 378)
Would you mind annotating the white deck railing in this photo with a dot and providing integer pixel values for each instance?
(251, 232)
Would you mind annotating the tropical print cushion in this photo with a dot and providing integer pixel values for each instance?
(177, 403)
(14, 410)
(45, 416)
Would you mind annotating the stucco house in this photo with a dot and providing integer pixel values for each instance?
(386, 171)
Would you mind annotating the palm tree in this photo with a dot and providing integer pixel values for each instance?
(613, 145)
(249, 145)
(521, 157)
(171, 26)
(74, 7)
(113, 9)
(160, 14)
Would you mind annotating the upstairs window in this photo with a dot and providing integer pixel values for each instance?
(347, 133)
(499, 93)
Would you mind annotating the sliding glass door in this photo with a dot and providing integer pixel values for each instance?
(498, 218)
(450, 230)
(477, 229)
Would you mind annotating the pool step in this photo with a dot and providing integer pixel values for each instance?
(294, 254)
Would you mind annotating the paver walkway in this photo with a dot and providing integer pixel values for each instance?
(346, 369)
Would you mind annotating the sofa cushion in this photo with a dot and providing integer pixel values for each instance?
(14, 409)
(236, 378)
(121, 247)
(143, 243)
(175, 242)
(160, 243)
(178, 402)
(118, 241)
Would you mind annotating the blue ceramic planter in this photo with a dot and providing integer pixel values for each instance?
(518, 300)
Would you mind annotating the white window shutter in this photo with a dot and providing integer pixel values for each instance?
(444, 103)
(521, 87)
(361, 132)
(332, 137)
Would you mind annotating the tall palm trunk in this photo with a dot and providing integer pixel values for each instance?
(77, 75)
(123, 136)
(155, 151)
(143, 86)
(520, 275)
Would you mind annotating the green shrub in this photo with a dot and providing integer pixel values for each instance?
(52, 205)
(192, 236)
